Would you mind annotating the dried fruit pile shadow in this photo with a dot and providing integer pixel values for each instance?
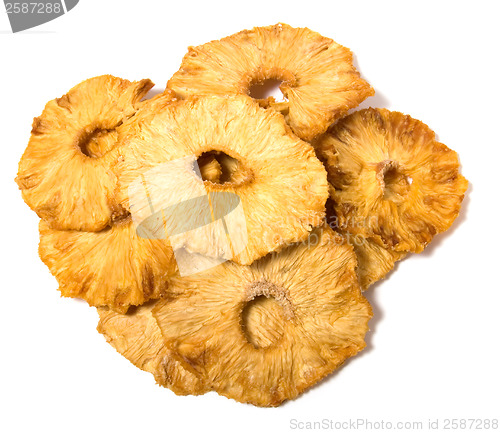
(226, 241)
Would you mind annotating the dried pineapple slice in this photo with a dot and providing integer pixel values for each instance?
(391, 181)
(319, 81)
(65, 174)
(137, 337)
(281, 184)
(323, 322)
(114, 267)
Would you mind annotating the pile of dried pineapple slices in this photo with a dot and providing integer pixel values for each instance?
(226, 240)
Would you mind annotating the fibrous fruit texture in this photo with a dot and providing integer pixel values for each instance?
(320, 327)
(241, 149)
(137, 337)
(375, 261)
(390, 179)
(319, 81)
(65, 174)
(113, 267)
(195, 220)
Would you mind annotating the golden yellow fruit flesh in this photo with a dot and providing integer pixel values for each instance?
(195, 220)
(113, 267)
(374, 261)
(390, 180)
(65, 172)
(319, 81)
(276, 176)
(321, 320)
(137, 337)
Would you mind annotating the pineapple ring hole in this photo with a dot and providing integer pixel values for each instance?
(267, 88)
(219, 168)
(395, 183)
(97, 142)
(262, 322)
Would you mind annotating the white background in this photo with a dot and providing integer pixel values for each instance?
(433, 350)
